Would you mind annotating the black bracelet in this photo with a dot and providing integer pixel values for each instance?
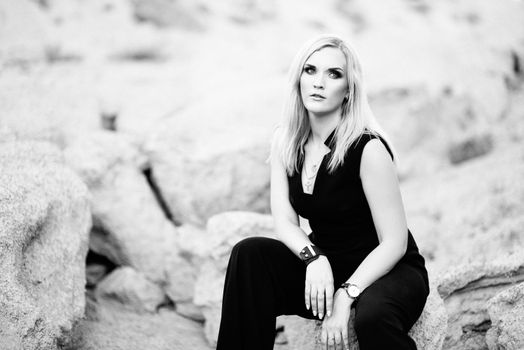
(310, 253)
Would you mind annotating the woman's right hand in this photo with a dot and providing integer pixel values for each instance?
(319, 287)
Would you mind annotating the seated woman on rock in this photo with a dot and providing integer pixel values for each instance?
(332, 164)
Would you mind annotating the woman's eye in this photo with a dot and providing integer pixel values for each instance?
(335, 75)
(309, 70)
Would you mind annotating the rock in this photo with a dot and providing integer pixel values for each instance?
(470, 210)
(224, 231)
(81, 28)
(430, 329)
(228, 228)
(165, 13)
(111, 327)
(197, 15)
(95, 273)
(130, 226)
(425, 110)
(210, 179)
(281, 338)
(470, 148)
(6, 134)
(506, 311)
(180, 276)
(60, 95)
(209, 287)
(191, 311)
(131, 289)
(428, 332)
(466, 290)
(24, 32)
(301, 333)
(44, 225)
(193, 243)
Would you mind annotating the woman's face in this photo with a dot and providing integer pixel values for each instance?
(323, 82)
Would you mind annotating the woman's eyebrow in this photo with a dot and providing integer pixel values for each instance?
(330, 68)
(309, 65)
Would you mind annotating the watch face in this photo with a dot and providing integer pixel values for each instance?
(353, 291)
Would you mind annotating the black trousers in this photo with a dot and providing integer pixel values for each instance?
(265, 279)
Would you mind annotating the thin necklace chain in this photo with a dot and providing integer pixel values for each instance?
(310, 178)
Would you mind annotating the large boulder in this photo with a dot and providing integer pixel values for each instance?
(224, 231)
(433, 130)
(456, 85)
(467, 290)
(44, 227)
(130, 289)
(197, 15)
(470, 210)
(428, 332)
(24, 32)
(506, 311)
(130, 227)
(201, 176)
(108, 326)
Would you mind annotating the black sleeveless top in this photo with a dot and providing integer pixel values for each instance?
(339, 214)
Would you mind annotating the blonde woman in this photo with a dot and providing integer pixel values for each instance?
(332, 164)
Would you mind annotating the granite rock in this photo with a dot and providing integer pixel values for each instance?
(467, 290)
(130, 227)
(506, 311)
(131, 289)
(44, 226)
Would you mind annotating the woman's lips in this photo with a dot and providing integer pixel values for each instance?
(317, 97)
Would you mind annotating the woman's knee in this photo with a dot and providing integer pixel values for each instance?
(254, 249)
(374, 315)
(248, 245)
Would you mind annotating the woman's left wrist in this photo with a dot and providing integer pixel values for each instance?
(344, 296)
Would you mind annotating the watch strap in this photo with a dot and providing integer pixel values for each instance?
(310, 253)
(346, 286)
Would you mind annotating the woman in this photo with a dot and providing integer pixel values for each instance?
(331, 164)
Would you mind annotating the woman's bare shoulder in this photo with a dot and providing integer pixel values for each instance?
(277, 139)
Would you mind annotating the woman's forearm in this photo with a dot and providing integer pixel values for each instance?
(379, 262)
(292, 236)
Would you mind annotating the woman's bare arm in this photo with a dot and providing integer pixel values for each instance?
(381, 187)
(286, 219)
(318, 292)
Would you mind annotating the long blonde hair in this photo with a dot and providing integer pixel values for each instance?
(356, 115)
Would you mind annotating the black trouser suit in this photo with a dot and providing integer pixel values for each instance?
(265, 279)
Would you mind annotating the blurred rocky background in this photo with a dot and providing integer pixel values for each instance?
(133, 143)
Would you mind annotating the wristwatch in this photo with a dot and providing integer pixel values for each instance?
(352, 290)
(310, 253)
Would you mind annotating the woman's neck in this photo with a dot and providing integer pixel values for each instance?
(322, 126)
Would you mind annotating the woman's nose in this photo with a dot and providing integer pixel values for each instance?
(318, 83)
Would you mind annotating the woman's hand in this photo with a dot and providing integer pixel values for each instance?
(335, 327)
(319, 287)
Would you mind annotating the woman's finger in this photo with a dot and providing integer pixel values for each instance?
(320, 302)
(338, 341)
(323, 338)
(314, 300)
(331, 340)
(307, 294)
(345, 337)
(329, 299)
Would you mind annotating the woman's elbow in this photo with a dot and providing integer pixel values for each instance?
(280, 226)
(397, 247)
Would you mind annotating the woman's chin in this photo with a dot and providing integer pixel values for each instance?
(320, 110)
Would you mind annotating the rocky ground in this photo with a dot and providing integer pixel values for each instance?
(133, 145)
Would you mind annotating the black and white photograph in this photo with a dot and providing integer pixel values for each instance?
(261, 175)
